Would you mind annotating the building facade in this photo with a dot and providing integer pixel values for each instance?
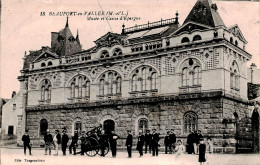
(160, 75)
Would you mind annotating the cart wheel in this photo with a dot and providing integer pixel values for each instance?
(105, 152)
(91, 147)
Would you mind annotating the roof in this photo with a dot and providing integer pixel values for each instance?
(204, 12)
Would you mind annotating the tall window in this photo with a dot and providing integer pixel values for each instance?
(234, 76)
(118, 85)
(143, 124)
(110, 83)
(43, 126)
(190, 122)
(154, 81)
(80, 87)
(134, 83)
(197, 76)
(78, 125)
(144, 78)
(46, 90)
(185, 77)
(101, 87)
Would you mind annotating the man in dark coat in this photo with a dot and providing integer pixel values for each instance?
(83, 141)
(140, 143)
(48, 142)
(103, 141)
(190, 141)
(147, 141)
(198, 137)
(74, 142)
(154, 142)
(172, 139)
(64, 142)
(167, 141)
(26, 142)
(129, 143)
(112, 140)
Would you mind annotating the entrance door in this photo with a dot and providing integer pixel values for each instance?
(255, 131)
(109, 125)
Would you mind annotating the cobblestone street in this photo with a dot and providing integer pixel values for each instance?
(12, 155)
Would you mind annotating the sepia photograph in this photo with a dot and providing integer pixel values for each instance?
(151, 82)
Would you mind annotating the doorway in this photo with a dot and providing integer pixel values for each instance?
(109, 125)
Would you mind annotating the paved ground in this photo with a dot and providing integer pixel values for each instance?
(14, 155)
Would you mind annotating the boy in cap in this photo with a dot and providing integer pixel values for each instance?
(140, 143)
(74, 143)
(48, 142)
(26, 142)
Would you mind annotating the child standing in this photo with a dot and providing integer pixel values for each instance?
(209, 150)
(179, 149)
(202, 151)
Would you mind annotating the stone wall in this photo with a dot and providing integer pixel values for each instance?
(161, 115)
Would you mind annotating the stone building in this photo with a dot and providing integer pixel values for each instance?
(160, 75)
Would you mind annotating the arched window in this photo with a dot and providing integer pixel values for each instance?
(144, 78)
(78, 126)
(80, 87)
(185, 77)
(168, 42)
(134, 83)
(154, 80)
(234, 76)
(49, 63)
(46, 90)
(111, 82)
(143, 124)
(191, 73)
(196, 38)
(197, 76)
(43, 126)
(185, 39)
(117, 52)
(104, 54)
(231, 40)
(43, 64)
(118, 85)
(101, 87)
(190, 122)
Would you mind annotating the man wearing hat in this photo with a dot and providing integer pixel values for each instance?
(147, 141)
(112, 141)
(64, 142)
(26, 142)
(57, 141)
(48, 142)
(172, 140)
(103, 141)
(74, 142)
(140, 143)
(154, 142)
(129, 143)
(167, 142)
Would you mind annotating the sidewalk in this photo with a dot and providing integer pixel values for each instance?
(14, 155)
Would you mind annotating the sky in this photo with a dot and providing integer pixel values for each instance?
(24, 29)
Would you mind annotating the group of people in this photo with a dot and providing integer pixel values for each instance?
(149, 142)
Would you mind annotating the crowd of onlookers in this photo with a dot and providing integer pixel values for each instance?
(146, 143)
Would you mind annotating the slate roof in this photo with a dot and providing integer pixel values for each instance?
(204, 12)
